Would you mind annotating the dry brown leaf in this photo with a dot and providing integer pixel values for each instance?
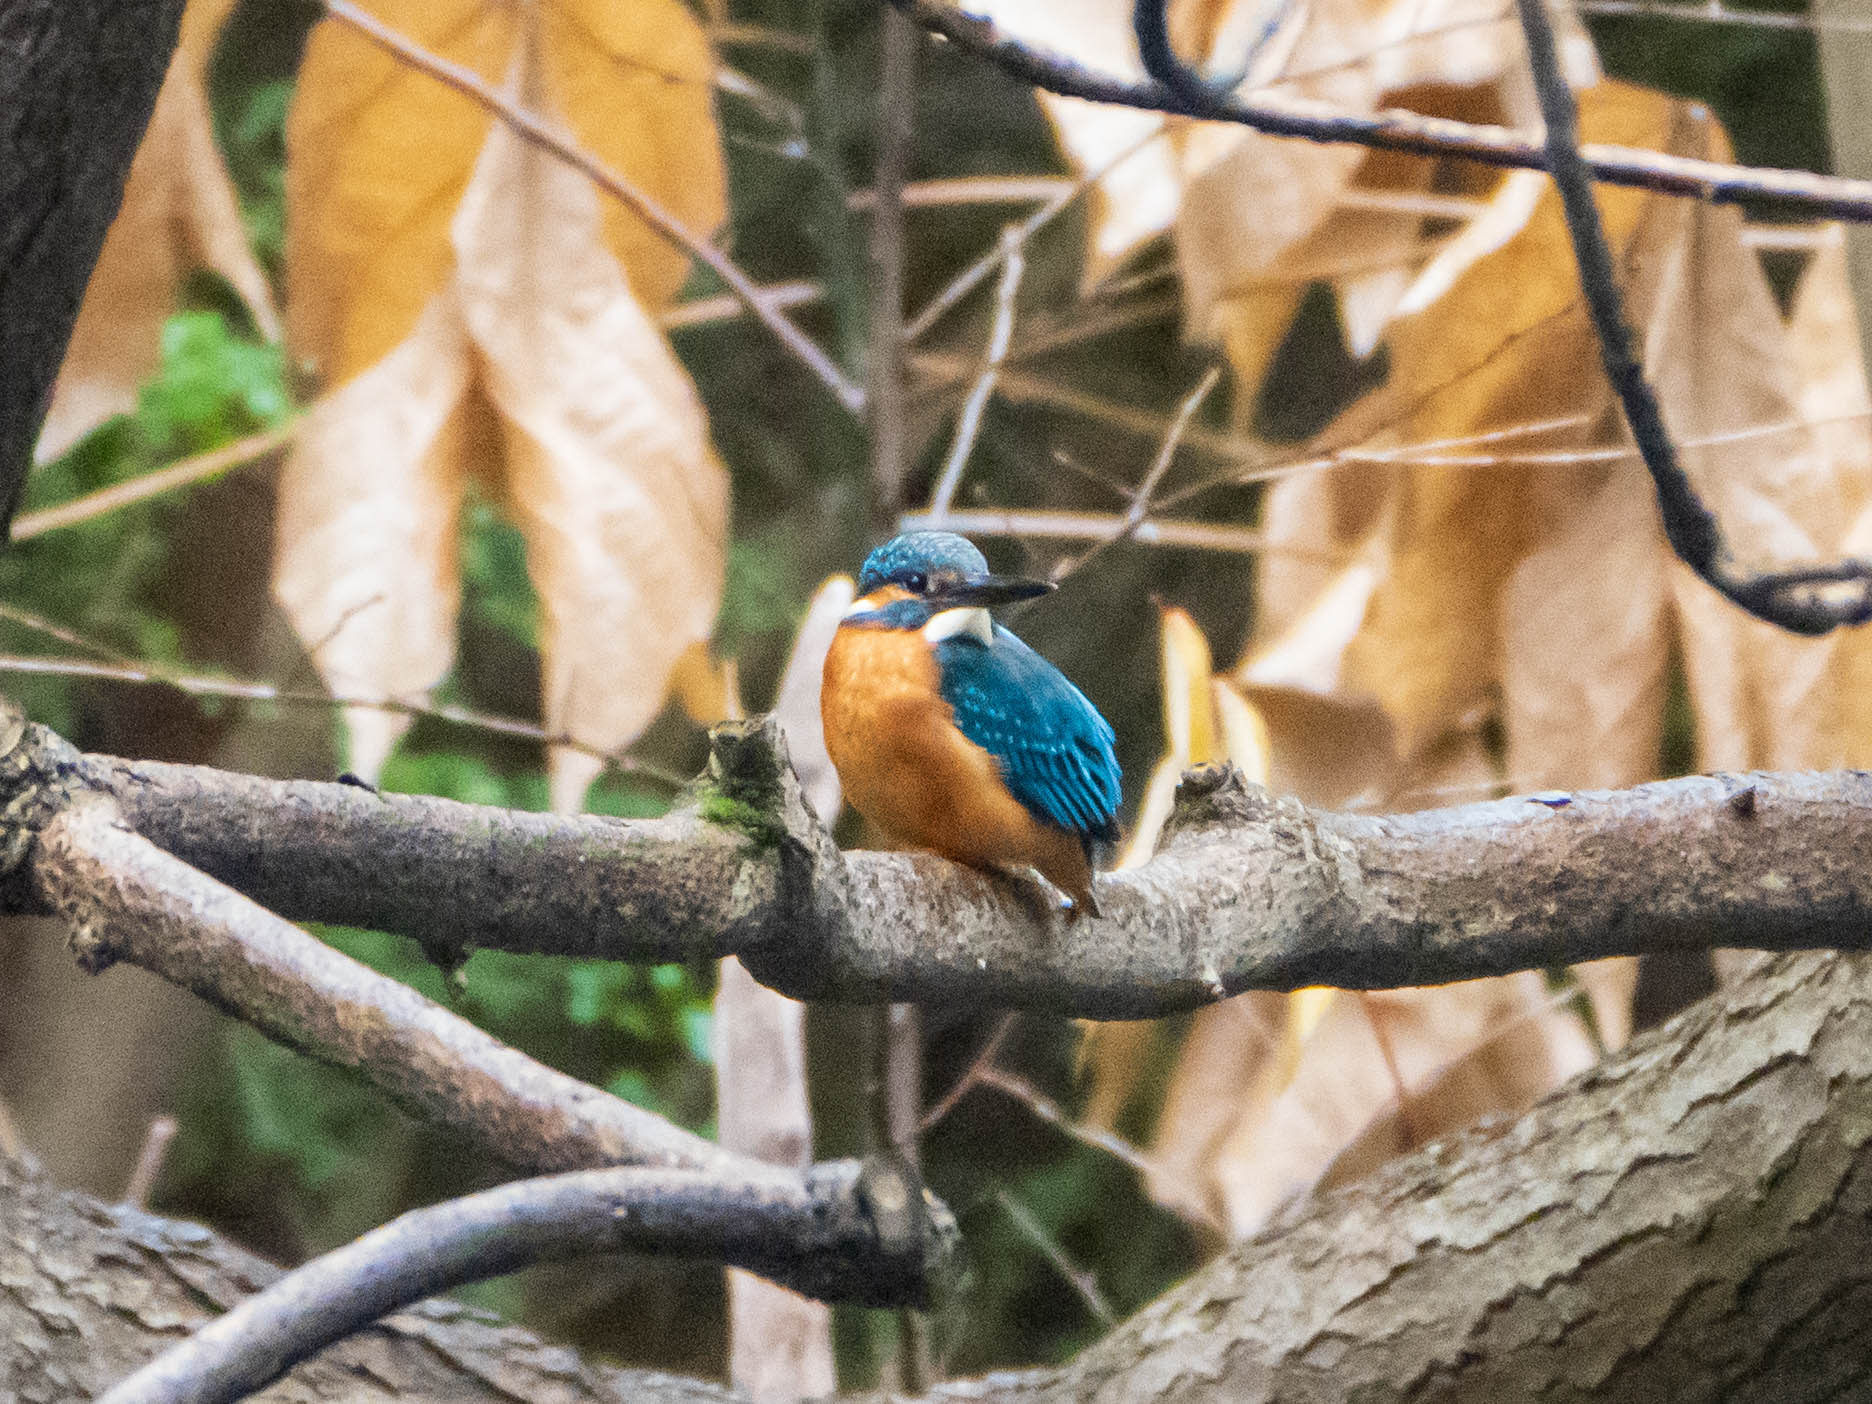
(486, 316)
(179, 212)
(1719, 354)
(379, 154)
(1829, 365)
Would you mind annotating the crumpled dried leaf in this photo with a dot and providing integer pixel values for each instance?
(179, 212)
(1458, 1052)
(1718, 353)
(1315, 210)
(484, 315)
(1829, 365)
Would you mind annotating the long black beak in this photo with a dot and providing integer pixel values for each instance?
(994, 590)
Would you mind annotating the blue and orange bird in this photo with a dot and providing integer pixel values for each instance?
(951, 734)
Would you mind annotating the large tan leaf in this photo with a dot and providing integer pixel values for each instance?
(610, 474)
(1829, 363)
(485, 315)
(1720, 357)
(179, 212)
(379, 154)
(1505, 344)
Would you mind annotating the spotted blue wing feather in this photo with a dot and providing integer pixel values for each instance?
(1054, 749)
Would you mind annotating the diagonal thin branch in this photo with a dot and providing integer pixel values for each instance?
(1393, 130)
(1137, 514)
(128, 900)
(1797, 600)
(530, 126)
(816, 1232)
(196, 468)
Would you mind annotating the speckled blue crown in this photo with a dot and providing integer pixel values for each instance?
(926, 551)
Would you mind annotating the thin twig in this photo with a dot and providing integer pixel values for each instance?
(947, 191)
(1083, 1281)
(1790, 598)
(1095, 526)
(1136, 514)
(531, 127)
(196, 468)
(156, 1141)
(1714, 13)
(1051, 1112)
(726, 307)
(965, 1084)
(968, 424)
(807, 1230)
(194, 685)
(1392, 130)
(52, 629)
(972, 277)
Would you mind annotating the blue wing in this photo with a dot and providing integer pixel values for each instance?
(1054, 748)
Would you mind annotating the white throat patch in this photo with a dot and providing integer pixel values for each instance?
(952, 622)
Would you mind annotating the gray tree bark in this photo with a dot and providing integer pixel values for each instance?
(1690, 1221)
(90, 1291)
(78, 79)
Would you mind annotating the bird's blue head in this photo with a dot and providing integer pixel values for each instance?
(944, 569)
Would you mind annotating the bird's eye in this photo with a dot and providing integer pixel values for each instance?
(916, 582)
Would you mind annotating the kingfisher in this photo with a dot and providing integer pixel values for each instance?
(951, 734)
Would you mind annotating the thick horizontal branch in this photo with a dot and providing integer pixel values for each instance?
(814, 1233)
(1723, 182)
(1247, 892)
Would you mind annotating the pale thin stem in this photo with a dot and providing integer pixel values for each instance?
(965, 1084)
(1138, 512)
(1083, 1281)
(195, 685)
(196, 468)
(156, 1142)
(1100, 526)
(976, 273)
(1000, 335)
(1056, 1116)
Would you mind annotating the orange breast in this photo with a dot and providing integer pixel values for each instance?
(908, 769)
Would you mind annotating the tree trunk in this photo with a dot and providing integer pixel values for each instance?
(1690, 1221)
(89, 1291)
(78, 79)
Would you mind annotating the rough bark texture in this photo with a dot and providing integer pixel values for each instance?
(809, 1230)
(1691, 1221)
(1247, 891)
(89, 1291)
(78, 79)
